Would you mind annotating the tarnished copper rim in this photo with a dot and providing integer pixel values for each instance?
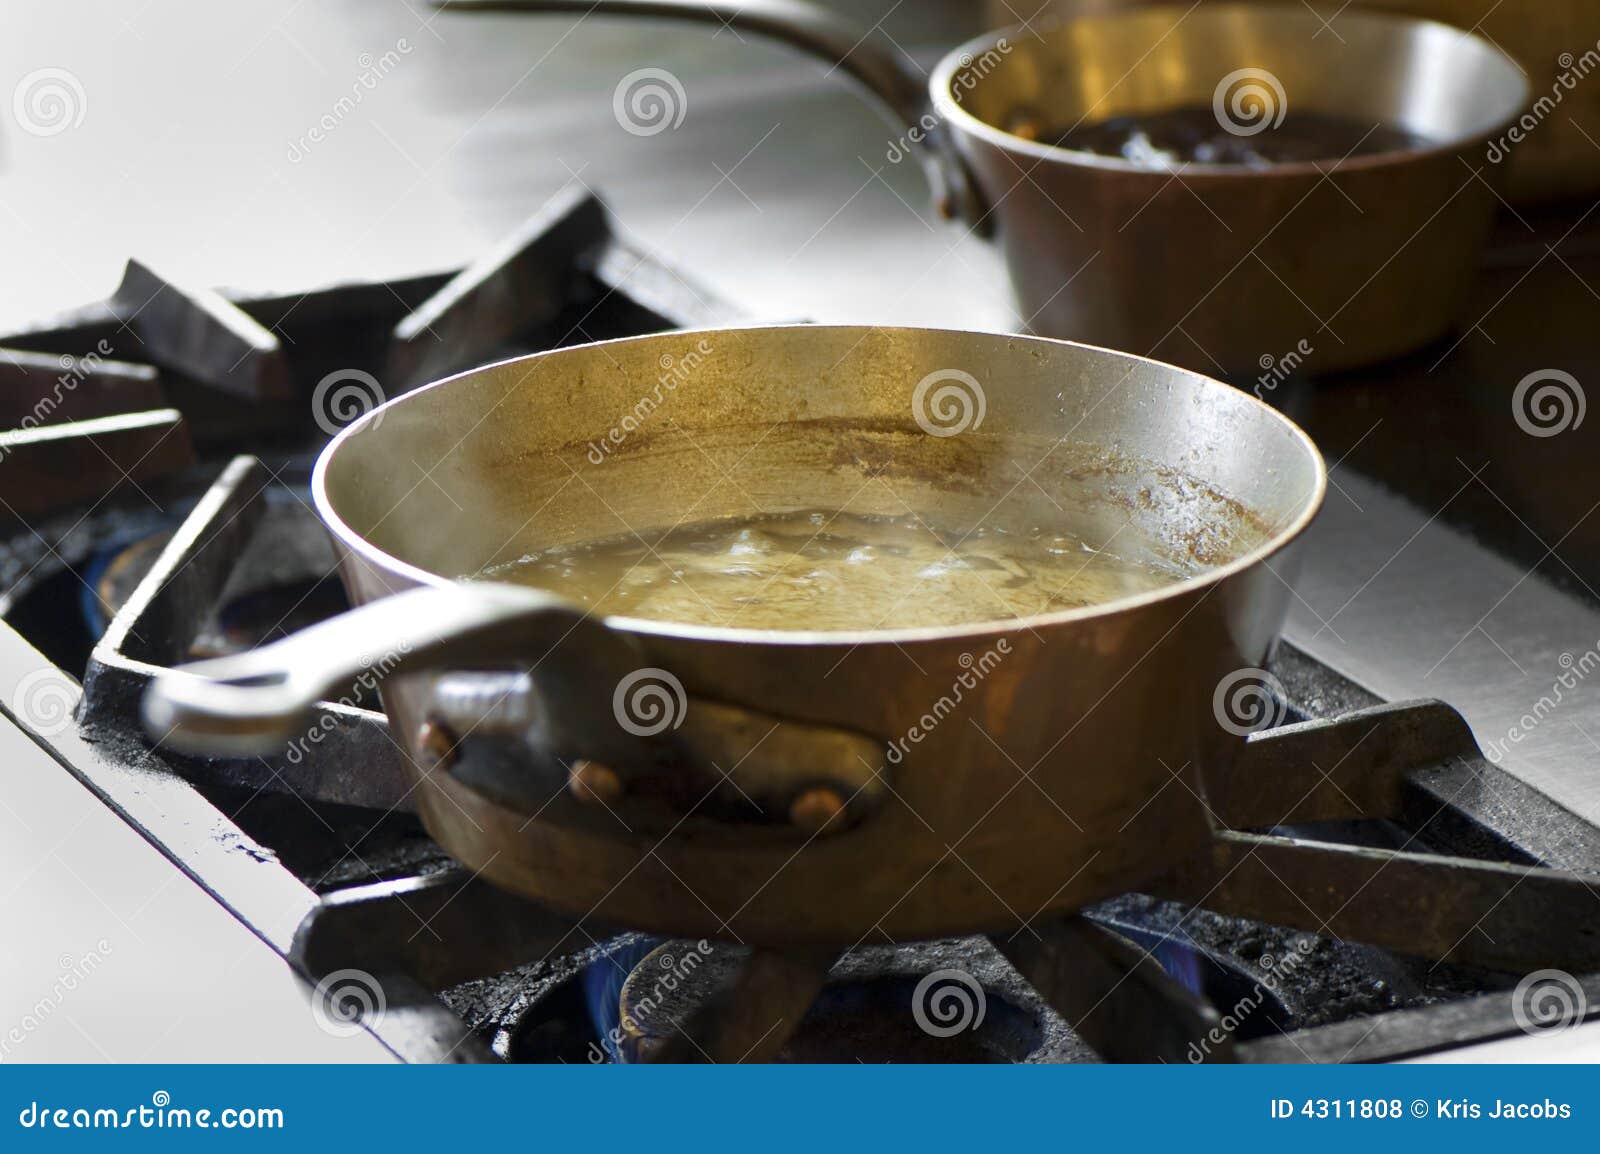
(949, 109)
(1201, 583)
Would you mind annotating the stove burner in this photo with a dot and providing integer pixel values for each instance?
(929, 1002)
(113, 574)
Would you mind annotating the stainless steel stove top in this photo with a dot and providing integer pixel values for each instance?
(1454, 559)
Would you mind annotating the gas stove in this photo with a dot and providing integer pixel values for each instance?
(161, 515)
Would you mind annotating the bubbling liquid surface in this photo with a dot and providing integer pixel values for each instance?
(824, 571)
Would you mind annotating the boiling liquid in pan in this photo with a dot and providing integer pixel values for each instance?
(834, 571)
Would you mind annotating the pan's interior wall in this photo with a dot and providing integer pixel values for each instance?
(1429, 79)
(637, 437)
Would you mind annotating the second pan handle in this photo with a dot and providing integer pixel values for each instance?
(901, 90)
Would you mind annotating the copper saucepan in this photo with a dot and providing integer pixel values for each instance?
(790, 786)
(1551, 155)
(1217, 267)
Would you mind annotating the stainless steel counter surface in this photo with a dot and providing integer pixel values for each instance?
(194, 149)
(1402, 603)
(112, 954)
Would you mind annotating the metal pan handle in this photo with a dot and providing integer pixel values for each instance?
(253, 702)
(823, 778)
(901, 90)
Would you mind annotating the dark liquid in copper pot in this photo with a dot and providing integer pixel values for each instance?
(1197, 136)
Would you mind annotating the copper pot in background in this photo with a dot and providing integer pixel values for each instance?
(1221, 268)
(1548, 39)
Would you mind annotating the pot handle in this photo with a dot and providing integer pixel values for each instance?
(821, 778)
(902, 91)
(253, 702)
